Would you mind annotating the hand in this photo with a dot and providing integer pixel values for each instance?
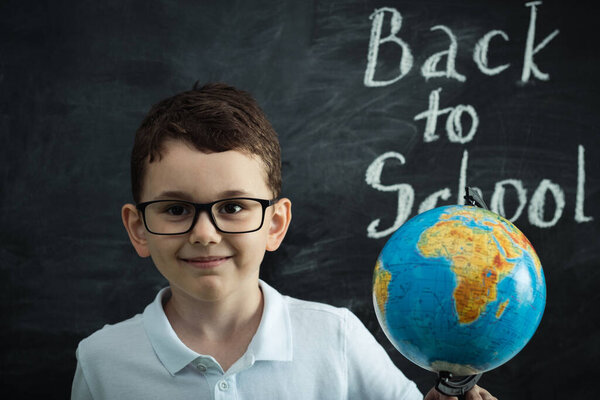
(477, 393)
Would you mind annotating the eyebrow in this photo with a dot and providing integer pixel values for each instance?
(179, 194)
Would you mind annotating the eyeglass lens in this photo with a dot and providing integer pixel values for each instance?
(234, 215)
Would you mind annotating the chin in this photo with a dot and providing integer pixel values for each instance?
(210, 288)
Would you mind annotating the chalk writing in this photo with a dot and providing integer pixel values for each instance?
(480, 53)
(431, 201)
(529, 65)
(406, 194)
(579, 216)
(538, 200)
(406, 61)
(429, 69)
(497, 202)
(536, 212)
(442, 65)
(454, 128)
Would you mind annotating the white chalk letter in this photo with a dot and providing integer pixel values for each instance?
(529, 65)
(431, 201)
(454, 124)
(538, 200)
(429, 68)
(406, 61)
(480, 53)
(432, 114)
(406, 194)
(579, 215)
(497, 202)
(462, 178)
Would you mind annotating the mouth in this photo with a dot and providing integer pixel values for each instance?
(205, 262)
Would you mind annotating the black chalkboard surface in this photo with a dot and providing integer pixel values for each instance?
(384, 108)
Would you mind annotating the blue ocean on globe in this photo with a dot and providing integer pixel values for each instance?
(459, 289)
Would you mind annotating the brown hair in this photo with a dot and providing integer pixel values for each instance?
(213, 118)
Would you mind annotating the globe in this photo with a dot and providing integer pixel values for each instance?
(458, 289)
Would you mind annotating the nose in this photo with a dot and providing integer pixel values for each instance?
(204, 231)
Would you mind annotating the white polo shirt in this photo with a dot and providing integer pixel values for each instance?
(301, 350)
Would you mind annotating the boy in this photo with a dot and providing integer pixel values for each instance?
(206, 180)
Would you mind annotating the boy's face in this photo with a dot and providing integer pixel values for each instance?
(205, 264)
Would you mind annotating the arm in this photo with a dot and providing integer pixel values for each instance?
(80, 389)
(371, 374)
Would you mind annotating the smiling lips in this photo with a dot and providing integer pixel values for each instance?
(205, 262)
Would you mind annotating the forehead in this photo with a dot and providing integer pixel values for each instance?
(204, 176)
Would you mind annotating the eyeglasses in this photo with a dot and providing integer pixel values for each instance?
(176, 217)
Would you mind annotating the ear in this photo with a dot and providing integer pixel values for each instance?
(132, 219)
(279, 223)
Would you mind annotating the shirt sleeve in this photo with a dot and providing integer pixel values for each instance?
(371, 372)
(80, 389)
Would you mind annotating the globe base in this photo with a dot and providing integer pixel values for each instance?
(455, 385)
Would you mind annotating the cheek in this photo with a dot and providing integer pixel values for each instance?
(163, 249)
(251, 246)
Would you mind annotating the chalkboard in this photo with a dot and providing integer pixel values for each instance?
(384, 109)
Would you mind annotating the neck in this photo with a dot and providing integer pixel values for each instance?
(234, 318)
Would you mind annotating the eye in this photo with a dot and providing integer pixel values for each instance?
(230, 208)
(176, 209)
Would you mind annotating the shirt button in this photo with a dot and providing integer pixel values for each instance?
(201, 367)
(223, 385)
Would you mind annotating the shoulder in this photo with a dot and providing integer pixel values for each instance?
(304, 306)
(291, 315)
(317, 313)
(344, 344)
(335, 324)
(113, 339)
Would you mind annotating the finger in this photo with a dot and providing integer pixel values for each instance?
(479, 393)
(433, 394)
(473, 394)
(485, 395)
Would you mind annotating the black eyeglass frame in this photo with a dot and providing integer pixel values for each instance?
(199, 207)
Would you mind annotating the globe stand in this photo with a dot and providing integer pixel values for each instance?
(455, 385)
(473, 199)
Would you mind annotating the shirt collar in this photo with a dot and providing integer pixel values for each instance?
(273, 338)
(171, 351)
(272, 341)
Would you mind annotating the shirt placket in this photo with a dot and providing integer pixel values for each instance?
(226, 388)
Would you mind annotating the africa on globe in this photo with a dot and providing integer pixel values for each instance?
(459, 289)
